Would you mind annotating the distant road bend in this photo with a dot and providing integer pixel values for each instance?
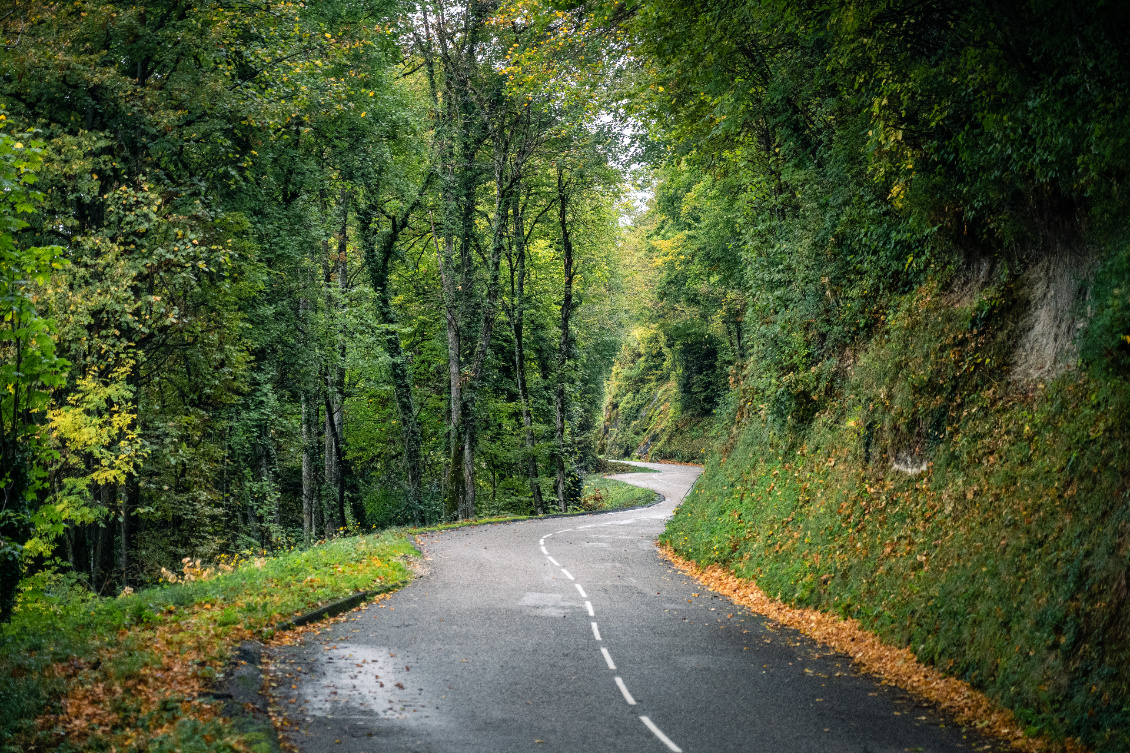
(570, 634)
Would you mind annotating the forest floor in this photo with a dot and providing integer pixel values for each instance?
(79, 672)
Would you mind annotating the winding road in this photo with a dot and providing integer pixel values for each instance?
(570, 634)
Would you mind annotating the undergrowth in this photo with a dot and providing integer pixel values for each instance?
(609, 494)
(1002, 562)
(80, 672)
(644, 414)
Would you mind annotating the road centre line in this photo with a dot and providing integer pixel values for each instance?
(659, 733)
(568, 574)
(595, 631)
(581, 590)
(555, 562)
(588, 606)
(544, 550)
(624, 691)
(607, 658)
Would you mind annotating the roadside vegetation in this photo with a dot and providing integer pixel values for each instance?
(892, 314)
(598, 494)
(82, 672)
(275, 274)
(610, 494)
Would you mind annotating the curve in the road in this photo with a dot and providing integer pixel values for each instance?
(619, 681)
(584, 641)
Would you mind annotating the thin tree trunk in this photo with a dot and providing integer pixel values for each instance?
(335, 374)
(564, 343)
(309, 487)
(267, 480)
(486, 330)
(124, 537)
(329, 473)
(517, 325)
(335, 440)
(321, 522)
(339, 403)
(130, 496)
(309, 476)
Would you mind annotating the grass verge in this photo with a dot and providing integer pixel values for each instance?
(615, 466)
(598, 495)
(609, 494)
(894, 665)
(80, 672)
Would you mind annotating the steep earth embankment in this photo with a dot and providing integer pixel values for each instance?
(965, 492)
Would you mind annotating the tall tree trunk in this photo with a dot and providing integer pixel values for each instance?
(339, 403)
(329, 456)
(123, 563)
(131, 499)
(517, 325)
(335, 372)
(309, 432)
(453, 502)
(270, 510)
(489, 314)
(564, 344)
(329, 462)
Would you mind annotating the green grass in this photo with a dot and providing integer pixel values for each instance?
(599, 494)
(609, 494)
(62, 640)
(614, 466)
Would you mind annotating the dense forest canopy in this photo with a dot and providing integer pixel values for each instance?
(273, 272)
(280, 270)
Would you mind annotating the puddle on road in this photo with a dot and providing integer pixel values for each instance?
(546, 605)
(362, 681)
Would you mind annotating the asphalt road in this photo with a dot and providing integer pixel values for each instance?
(570, 634)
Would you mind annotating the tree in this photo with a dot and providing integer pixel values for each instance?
(29, 367)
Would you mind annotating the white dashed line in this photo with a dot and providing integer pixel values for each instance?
(659, 733)
(555, 562)
(607, 658)
(581, 590)
(588, 606)
(567, 573)
(542, 542)
(595, 631)
(624, 691)
(545, 551)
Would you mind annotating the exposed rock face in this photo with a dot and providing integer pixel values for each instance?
(1057, 285)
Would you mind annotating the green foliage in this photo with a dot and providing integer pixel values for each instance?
(1105, 345)
(29, 366)
(876, 210)
(653, 408)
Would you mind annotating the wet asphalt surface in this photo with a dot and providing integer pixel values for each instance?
(595, 644)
